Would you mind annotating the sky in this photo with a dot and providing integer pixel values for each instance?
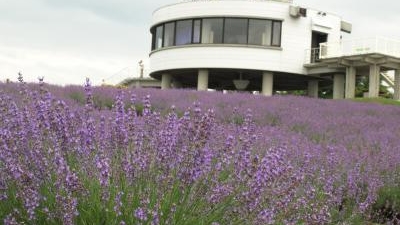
(66, 41)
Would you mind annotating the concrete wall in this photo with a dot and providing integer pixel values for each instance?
(296, 37)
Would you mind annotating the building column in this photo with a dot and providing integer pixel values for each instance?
(202, 80)
(166, 81)
(374, 81)
(338, 86)
(350, 91)
(313, 88)
(267, 83)
(396, 95)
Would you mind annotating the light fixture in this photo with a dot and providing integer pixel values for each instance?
(241, 84)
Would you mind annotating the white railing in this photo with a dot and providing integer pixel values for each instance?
(312, 56)
(286, 1)
(380, 45)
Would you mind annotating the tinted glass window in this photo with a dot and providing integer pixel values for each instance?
(153, 39)
(212, 31)
(276, 37)
(183, 32)
(158, 39)
(235, 31)
(260, 32)
(196, 31)
(169, 34)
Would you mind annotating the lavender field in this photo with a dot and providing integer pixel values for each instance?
(101, 155)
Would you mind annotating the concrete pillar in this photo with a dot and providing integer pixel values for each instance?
(166, 81)
(338, 86)
(374, 81)
(350, 91)
(202, 80)
(396, 88)
(267, 83)
(313, 88)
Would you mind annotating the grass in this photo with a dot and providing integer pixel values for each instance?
(383, 101)
(387, 206)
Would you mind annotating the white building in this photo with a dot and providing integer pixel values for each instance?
(261, 45)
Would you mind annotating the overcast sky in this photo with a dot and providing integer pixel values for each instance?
(67, 40)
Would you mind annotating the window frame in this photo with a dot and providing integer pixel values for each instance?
(273, 32)
(154, 44)
(191, 32)
(222, 30)
(270, 36)
(200, 32)
(247, 30)
(173, 33)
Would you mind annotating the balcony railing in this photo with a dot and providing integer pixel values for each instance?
(380, 45)
(312, 56)
(286, 1)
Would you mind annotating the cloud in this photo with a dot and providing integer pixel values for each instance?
(124, 11)
(66, 44)
(68, 40)
(57, 67)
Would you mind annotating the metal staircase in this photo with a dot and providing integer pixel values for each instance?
(387, 79)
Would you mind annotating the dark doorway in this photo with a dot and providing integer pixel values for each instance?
(316, 39)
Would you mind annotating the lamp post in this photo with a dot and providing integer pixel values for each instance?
(141, 66)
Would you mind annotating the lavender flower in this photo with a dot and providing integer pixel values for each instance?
(140, 214)
(118, 203)
(286, 160)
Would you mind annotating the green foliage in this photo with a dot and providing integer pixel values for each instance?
(295, 92)
(11, 200)
(181, 204)
(272, 119)
(101, 102)
(347, 213)
(383, 101)
(237, 120)
(387, 206)
(325, 93)
(78, 97)
(299, 128)
(362, 86)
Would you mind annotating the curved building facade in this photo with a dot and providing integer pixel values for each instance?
(241, 44)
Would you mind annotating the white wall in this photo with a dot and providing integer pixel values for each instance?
(326, 23)
(219, 57)
(296, 37)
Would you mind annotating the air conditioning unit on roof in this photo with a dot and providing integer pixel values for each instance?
(297, 11)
